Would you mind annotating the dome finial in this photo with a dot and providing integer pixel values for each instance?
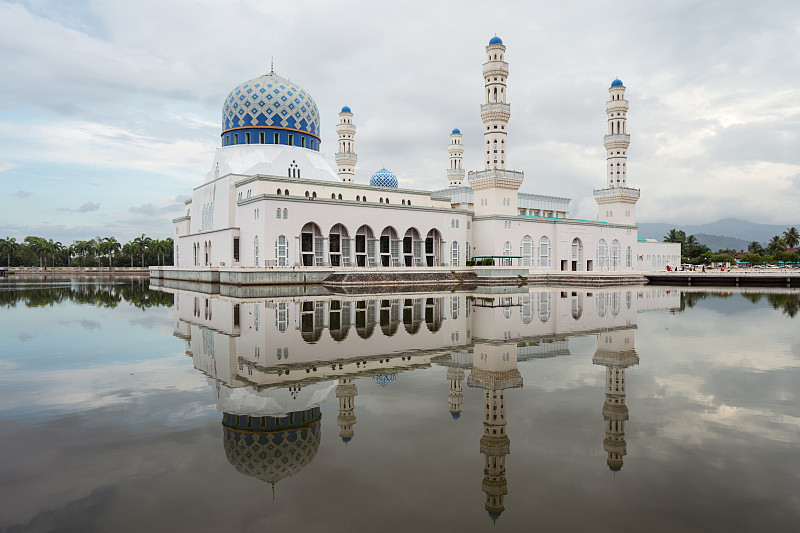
(272, 65)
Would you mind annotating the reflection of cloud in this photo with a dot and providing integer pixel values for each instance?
(22, 194)
(90, 324)
(24, 337)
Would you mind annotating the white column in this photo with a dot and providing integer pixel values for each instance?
(353, 251)
(326, 253)
(296, 250)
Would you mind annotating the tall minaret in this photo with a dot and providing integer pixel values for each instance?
(495, 112)
(456, 396)
(346, 156)
(615, 351)
(494, 370)
(617, 202)
(346, 392)
(455, 173)
(495, 187)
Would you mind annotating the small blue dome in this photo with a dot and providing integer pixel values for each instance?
(495, 40)
(616, 83)
(456, 130)
(383, 178)
(346, 109)
(456, 415)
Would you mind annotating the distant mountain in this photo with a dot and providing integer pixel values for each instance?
(730, 233)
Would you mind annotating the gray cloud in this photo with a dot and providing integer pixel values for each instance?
(151, 209)
(86, 207)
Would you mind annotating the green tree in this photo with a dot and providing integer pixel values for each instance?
(129, 250)
(776, 245)
(8, 246)
(142, 243)
(791, 237)
(755, 248)
(675, 236)
(112, 247)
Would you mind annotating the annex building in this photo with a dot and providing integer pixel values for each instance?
(272, 200)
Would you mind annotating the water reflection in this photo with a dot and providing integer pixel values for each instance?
(107, 293)
(272, 362)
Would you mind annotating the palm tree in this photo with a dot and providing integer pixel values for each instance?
(169, 246)
(755, 248)
(82, 248)
(112, 246)
(54, 249)
(70, 250)
(675, 236)
(157, 246)
(791, 237)
(143, 243)
(129, 249)
(691, 240)
(776, 245)
(36, 244)
(8, 246)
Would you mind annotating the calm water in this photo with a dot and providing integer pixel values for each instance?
(627, 409)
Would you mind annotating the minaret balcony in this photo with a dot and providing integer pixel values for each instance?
(496, 111)
(616, 106)
(616, 194)
(345, 158)
(617, 140)
(495, 68)
(455, 149)
(346, 129)
(455, 173)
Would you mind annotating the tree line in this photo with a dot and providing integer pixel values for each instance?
(99, 251)
(107, 295)
(781, 248)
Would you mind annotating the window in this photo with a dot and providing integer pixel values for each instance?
(302, 142)
(602, 250)
(628, 260)
(281, 251)
(255, 251)
(261, 137)
(286, 192)
(312, 144)
(454, 255)
(235, 138)
(285, 213)
(615, 254)
(291, 139)
(358, 198)
(236, 249)
(278, 213)
(247, 137)
(544, 252)
(527, 251)
(276, 138)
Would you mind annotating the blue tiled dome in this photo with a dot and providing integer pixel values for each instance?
(270, 102)
(616, 83)
(495, 40)
(383, 178)
(346, 109)
(456, 130)
(384, 379)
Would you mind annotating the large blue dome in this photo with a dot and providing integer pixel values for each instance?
(383, 178)
(260, 108)
(616, 83)
(495, 40)
(455, 131)
(346, 109)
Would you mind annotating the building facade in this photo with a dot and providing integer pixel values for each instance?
(271, 200)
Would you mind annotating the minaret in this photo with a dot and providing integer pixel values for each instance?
(615, 351)
(346, 392)
(494, 370)
(346, 156)
(495, 187)
(455, 173)
(456, 396)
(617, 202)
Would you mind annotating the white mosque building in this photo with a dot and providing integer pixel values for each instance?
(271, 199)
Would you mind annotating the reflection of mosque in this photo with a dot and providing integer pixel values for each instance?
(274, 361)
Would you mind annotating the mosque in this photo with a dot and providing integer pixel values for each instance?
(272, 200)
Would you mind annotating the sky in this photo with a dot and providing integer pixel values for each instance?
(110, 110)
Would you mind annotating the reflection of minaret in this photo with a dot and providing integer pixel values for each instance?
(494, 370)
(615, 351)
(456, 396)
(346, 391)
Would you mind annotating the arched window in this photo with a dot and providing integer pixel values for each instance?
(544, 252)
(307, 194)
(454, 254)
(314, 194)
(285, 213)
(340, 197)
(358, 198)
(279, 192)
(507, 251)
(278, 213)
(602, 251)
(286, 192)
(614, 254)
(526, 251)
(255, 251)
(281, 251)
(333, 196)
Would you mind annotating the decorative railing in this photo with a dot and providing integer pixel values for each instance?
(495, 173)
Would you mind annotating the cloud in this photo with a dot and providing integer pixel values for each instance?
(86, 207)
(22, 194)
(171, 205)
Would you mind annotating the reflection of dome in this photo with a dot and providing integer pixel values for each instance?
(614, 467)
(346, 109)
(383, 178)
(270, 448)
(456, 415)
(494, 515)
(455, 131)
(495, 40)
(346, 439)
(270, 102)
(384, 379)
(616, 83)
